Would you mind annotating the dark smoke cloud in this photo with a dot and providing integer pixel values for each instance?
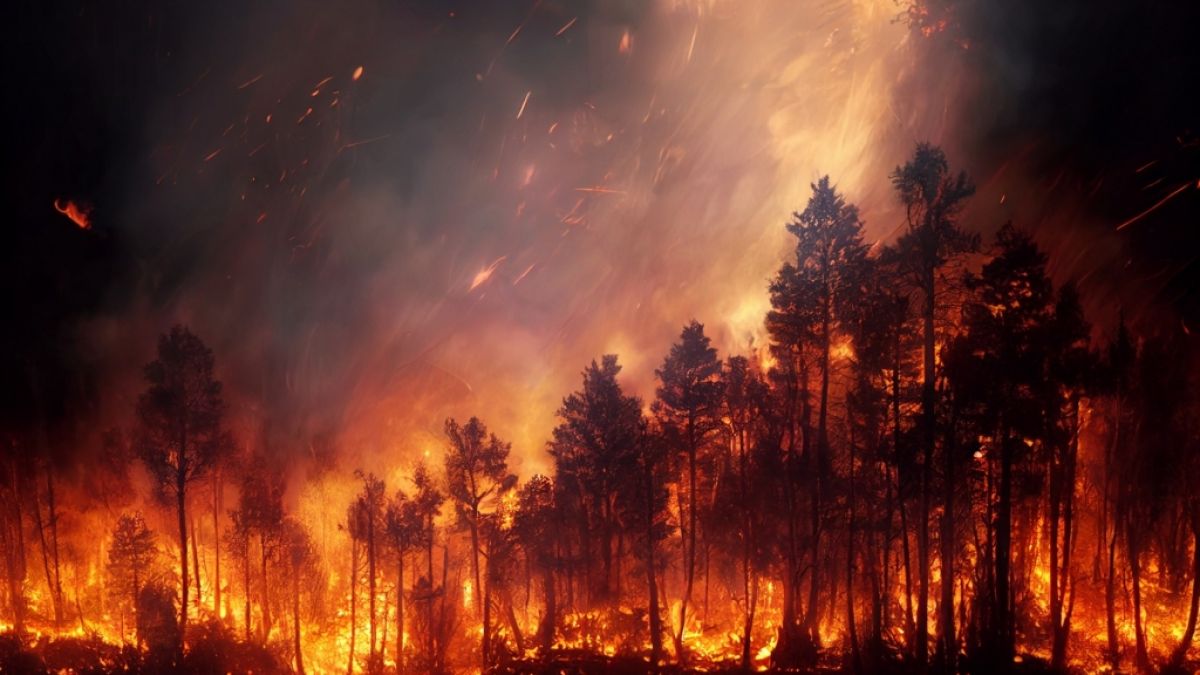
(1086, 112)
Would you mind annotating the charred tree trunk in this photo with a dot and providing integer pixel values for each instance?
(1110, 604)
(1185, 641)
(655, 617)
(749, 579)
(296, 620)
(45, 549)
(216, 521)
(479, 597)
(246, 585)
(1133, 553)
(265, 597)
(946, 638)
(431, 638)
(910, 627)
(1062, 506)
(928, 423)
(1001, 634)
(196, 565)
(546, 629)
(400, 609)
(181, 507)
(371, 586)
(689, 542)
(354, 602)
(851, 624)
(821, 456)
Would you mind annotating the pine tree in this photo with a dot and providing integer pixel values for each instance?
(477, 476)
(131, 557)
(687, 412)
(180, 432)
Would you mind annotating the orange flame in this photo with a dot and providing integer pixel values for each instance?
(76, 212)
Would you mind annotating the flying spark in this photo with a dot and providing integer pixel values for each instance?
(1155, 207)
(486, 273)
(523, 104)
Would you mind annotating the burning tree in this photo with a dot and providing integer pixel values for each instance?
(595, 450)
(687, 409)
(180, 433)
(477, 477)
(403, 525)
(131, 557)
(933, 197)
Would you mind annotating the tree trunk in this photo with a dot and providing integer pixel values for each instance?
(53, 515)
(928, 421)
(180, 487)
(1001, 637)
(45, 549)
(196, 565)
(296, 620)
(354, 602)
(910, 628)
(1110, 605)
(749, 579)
(655, 619)
(399, 609)
(689, 551)
(819, 462)
(430, 639)
(14, 550)
(852, 628)
(216, 520)
(1133, 547)
(371, 585)
(946, 637)
(1185, 641)
(246, 580)
(265, 597)
(1062, 502)
(546, 630)
(481, 605)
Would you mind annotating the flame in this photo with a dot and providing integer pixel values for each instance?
(79, 214)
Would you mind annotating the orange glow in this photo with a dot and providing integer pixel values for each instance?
(77, 213)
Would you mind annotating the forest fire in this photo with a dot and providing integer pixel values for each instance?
(479, 339)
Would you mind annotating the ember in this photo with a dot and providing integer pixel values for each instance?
(78, 214)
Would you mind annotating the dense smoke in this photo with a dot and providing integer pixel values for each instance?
(505, 191)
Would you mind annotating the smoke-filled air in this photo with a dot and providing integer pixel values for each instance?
(591, 336)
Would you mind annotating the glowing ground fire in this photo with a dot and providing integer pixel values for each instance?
(583, 336)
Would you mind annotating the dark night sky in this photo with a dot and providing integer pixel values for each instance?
(1061, 100)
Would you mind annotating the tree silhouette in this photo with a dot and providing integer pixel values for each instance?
(595, 452)
(179, 416)
(687, 411)
(131, 557)
(744, 402)
(476, 476)
(402, 523)
(260, 514)
(536, 526)
(364, 521)
(1006, 323)
(427, 504)
(933, 197)
(300, 560)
